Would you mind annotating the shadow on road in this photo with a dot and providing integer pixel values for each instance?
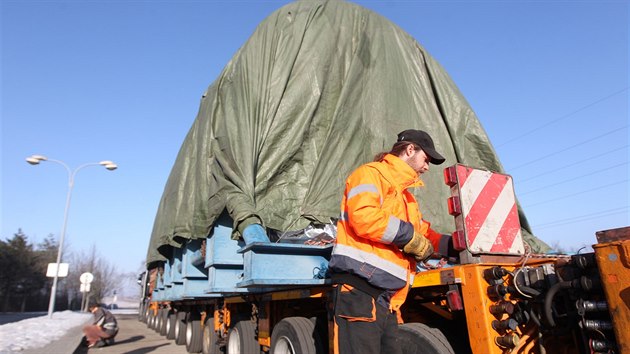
(129, 340)
(83, 349)
(145, 350)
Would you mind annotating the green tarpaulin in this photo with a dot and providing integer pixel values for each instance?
(317, 90)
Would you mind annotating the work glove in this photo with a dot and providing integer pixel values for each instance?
(255, 233)
(419, 247)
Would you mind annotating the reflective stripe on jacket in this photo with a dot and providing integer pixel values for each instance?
(379, 217)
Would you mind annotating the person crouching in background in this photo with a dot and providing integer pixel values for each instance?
(104, 328)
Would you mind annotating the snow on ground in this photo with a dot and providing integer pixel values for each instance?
(36, 332)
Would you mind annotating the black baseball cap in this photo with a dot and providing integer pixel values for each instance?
(422, 139)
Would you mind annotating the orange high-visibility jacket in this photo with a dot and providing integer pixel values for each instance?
(378, 218)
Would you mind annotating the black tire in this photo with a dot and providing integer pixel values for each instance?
(158, 321)
(163, 321)
(146, 316)
(180, 328)
(210, 345)
(194, 334)
(141, 312)
(417, 338)
(242, 338)
(151, 320)
(170, 324)
(296, 335)
(147, 312)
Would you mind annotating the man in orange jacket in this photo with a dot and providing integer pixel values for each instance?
(380, 237)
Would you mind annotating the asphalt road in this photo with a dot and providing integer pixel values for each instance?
(135, 338)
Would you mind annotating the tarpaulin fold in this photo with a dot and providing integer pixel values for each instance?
(319, 88)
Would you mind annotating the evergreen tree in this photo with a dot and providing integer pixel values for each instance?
(21, 275)
(23, 282)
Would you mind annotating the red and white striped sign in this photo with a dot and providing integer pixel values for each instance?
(484, 207)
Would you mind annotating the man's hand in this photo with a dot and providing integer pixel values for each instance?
(419, 247)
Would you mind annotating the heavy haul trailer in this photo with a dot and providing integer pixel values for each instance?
(317, 90)
(218, 295)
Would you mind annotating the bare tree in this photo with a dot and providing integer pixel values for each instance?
(106, 277)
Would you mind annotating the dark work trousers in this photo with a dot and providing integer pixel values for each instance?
(94, 333)
(362, 325)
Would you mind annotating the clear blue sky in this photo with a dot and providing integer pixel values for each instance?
(84, 81)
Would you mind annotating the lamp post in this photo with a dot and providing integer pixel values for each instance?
(35, 160)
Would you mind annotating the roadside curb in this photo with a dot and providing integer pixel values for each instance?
(68, 343)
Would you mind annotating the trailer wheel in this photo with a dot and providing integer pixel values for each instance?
(141, 312)
(295, 335)
(151, 320)
(210, 345)
(418, 338)
(170, 325)
(147, 312)
(242, 338)
(180, 328)
(164, 321)
(193, 333)
(158, 321)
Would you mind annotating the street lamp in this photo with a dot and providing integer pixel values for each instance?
(35, 160)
